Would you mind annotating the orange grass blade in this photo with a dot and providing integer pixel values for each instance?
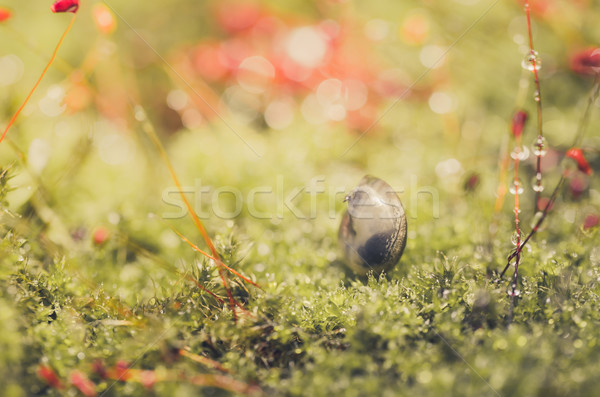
(165, 158)
(37, 83)
(199, 225)
(170, 268)
(195, 248)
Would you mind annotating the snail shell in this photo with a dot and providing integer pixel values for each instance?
(372, 233)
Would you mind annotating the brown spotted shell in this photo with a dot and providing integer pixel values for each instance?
(372, 233)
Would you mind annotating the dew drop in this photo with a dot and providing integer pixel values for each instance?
(530, 60)
(520, 153)
(539, 147)
(516, 187)
(514, 292)
(516, 238)
(537, 97)
(537, 187)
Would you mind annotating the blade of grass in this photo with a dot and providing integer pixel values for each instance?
(37, 83)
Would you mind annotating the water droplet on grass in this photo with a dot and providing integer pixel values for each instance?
(539, 147)
(516, 238)
(520, 153)
(532, 61)
(514, 292)
(516, 187)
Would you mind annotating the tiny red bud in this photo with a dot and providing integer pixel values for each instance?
(100, 236)
(47, 373)
(592, 220)
(85, 386)
(586, 62)
(582, 164)
(518, 123)
(472, 182)
(65, 6)
(5, 14)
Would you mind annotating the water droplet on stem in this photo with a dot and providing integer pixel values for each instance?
(516, 187)
(516, 238)
(520, 153)
(532, 61)
(539, 147)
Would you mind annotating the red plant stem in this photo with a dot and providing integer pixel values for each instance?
(516, 187)
(538, 98)
(517, 252)
(578, 138)
(37, 83)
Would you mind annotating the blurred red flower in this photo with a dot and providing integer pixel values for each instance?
(5, 14)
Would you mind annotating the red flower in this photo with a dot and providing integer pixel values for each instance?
(518, 123)
(85, 386)
(5, 14)
(47, 373)
(586, 62)
(582, 164)
(65, 6)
